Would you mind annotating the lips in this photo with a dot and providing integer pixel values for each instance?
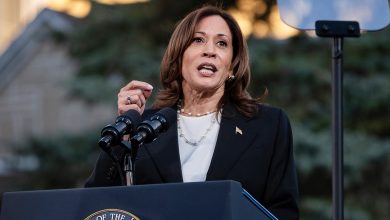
(207, 68)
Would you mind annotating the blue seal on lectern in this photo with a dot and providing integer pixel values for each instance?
(112, 214)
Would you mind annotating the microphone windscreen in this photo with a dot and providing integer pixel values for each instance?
(169, 114)
(134, 116)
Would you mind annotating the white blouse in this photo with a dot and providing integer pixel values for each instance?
(195, 160)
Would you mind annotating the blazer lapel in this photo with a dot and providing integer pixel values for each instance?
(235, 135)
(164, 152)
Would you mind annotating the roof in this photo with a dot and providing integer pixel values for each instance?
(23, 48)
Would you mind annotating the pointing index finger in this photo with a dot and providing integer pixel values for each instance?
(138, 85)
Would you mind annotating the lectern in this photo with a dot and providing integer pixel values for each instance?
(202, 200)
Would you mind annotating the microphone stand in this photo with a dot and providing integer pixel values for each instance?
(129, 161)
(337, 30)
(147, 131)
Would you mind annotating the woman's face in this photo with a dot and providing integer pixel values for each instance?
(207, 61)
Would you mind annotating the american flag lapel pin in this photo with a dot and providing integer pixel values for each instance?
(238, 130)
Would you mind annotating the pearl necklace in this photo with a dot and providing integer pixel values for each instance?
(183, 112)
(180, 131)
(193, 142)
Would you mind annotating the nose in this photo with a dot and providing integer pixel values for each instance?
(209, 50)
(209, 54)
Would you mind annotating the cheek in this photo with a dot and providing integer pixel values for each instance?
(184, 62)
(228, 59)
(228, 64)
(186, 59)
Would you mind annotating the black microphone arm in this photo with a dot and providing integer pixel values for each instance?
(148, 130)
(112, 134)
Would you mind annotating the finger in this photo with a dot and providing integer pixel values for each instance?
(147, 93)
(134, 84)
(143, 94)
(134, 99)
(124, 108)
(138, 92)
(123, 96)
(125, 103)
(143, 99)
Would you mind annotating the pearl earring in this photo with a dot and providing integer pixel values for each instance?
(231, 78)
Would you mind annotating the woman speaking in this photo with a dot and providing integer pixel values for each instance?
(222, 133)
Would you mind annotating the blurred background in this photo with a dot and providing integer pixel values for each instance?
(62, 63)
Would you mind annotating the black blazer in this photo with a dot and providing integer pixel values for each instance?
(260, 157)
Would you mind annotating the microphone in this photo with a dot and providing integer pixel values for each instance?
(148, 130)
(112, 134)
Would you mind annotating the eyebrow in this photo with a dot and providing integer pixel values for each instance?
(204, 33)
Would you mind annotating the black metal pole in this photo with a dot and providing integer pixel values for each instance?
(128, 168)
(129, 162)
(337, 30)
(337, 129)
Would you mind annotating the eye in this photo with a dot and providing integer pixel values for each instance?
(197, 40)
(222, 44)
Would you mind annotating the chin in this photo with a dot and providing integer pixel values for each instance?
(207, 87)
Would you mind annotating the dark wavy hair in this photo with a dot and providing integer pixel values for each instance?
(170, 70)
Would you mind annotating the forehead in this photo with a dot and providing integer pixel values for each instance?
(213, 25)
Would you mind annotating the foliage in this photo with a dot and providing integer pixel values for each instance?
(297, 72)
(62, 161)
